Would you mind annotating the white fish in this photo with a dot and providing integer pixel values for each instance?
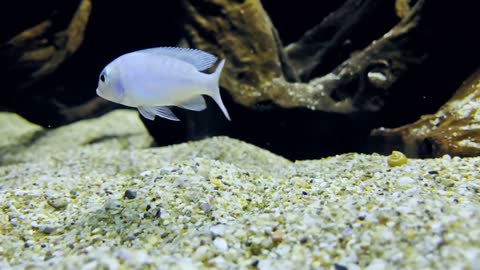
(153, 79)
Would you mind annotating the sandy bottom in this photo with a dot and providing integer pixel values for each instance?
(93, 195)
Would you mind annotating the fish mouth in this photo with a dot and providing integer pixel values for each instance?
(100, 94)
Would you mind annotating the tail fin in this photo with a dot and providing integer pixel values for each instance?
(214, 90)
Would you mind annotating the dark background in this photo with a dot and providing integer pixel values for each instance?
(117, 27)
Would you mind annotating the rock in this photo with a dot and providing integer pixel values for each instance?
(452, 130)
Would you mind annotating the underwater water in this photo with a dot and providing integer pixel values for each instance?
(334, 135)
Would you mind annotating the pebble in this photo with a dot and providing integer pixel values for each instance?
(58, 203)
(145, 173)
(205, 207)
(220, 244)
(112, 205)
(218, 229)
(340, 267)
(277, 237)
(304, 240)
(405, 181)
(45, 229)
(129, 194)
(377, 264)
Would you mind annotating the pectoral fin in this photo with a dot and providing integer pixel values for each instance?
(195, 104)
(162, 111)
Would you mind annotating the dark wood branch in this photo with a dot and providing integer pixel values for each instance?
(241, 32)
(37, 52)
(453, 129)
(343, 31)
(254, 72)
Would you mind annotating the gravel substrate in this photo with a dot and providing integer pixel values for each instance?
(93, 195)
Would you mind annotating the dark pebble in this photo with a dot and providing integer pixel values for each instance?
(304, 240)
(255, 263)
(46, 229)
(48, 256)
(205, 207)
(432, 172)
(129, 194)
(340, 267)
(361, 217)
(158, 213)
(304, 193)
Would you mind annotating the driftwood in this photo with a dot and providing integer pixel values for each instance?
(35, 54)
(351, 74)
(454, 129)
(261, 69)
(38, 52)
(333, 40)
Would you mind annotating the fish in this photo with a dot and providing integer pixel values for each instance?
(153, 80)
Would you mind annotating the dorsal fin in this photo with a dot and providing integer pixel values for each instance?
(200, 59)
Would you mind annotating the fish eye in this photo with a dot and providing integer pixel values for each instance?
(102, 77)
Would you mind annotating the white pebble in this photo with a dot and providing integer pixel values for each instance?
(376, 76)
(412, 191)
(220, 244)
(437, 227)
(145, 173)
(201, 253)
(218, 229)
(405, 181)
(283, 250)
(377, 264)
(446, 157)
(265, 265)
